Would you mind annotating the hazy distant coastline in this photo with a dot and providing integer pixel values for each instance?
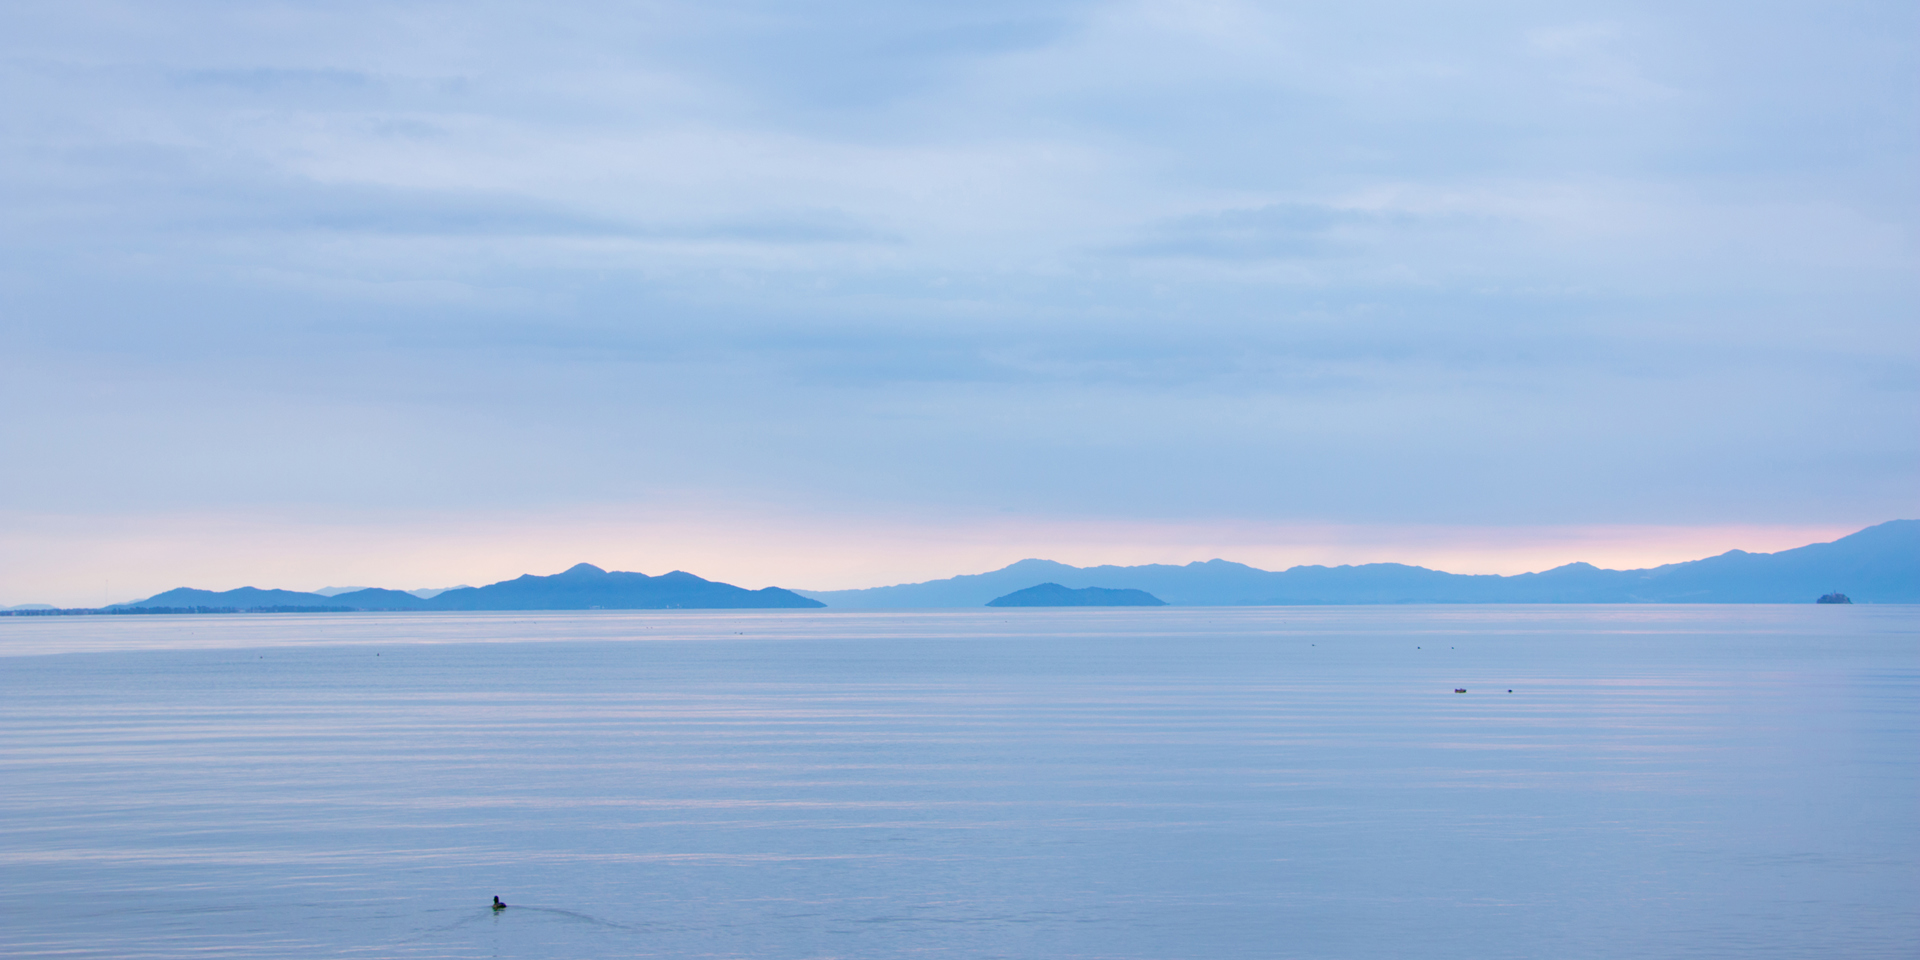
(581, 587)
(1880, 564)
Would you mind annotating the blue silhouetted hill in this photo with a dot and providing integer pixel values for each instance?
(582, 587)
(243, 598)
(585, 586)
(1880, 564)
(1055, 595)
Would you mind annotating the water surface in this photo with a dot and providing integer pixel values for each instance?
(1696, 781)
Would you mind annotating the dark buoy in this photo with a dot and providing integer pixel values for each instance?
(497, 905)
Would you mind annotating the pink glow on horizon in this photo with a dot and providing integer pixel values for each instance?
(91, 561)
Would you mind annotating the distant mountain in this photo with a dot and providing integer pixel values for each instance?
(585, 586)
(243, 598)
(1880, 564)
(1055, 595)
(582, 587)
(379, 598)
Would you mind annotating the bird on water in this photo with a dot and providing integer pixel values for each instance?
(497, 905)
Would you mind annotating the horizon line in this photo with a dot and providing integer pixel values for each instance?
(808, 591)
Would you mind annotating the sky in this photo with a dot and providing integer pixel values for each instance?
(842, 294)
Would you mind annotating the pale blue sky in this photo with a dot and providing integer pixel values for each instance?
(472, 288)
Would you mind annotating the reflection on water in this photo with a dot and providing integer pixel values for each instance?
(1166, 782)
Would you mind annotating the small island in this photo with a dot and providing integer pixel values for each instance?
(1834, 597)
(1055, 595)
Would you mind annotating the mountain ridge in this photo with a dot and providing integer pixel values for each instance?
(582, 586)
(1879, 564)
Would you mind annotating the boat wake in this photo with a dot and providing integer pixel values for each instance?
(488, 912)
(571, 915)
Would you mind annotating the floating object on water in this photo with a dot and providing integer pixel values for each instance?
(497, 905)
(1834, 597)
(1459, 689)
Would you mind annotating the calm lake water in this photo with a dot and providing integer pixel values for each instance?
(1697, 781)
